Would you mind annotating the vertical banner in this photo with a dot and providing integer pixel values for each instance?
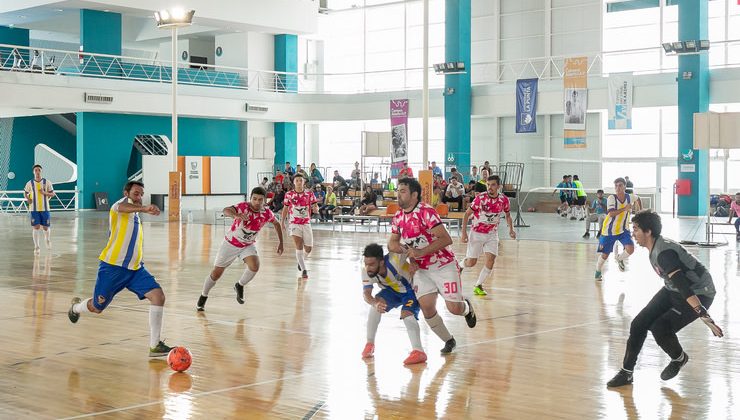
(399, 134)
(426, 179)
(173, 212)
(575, 102)
(620, 101)
(193, 175)
(526, 105)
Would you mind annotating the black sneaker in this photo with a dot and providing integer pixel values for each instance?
(586, 235)
(673, 368)
(622, 378)
(299, 267)
(449, 346)
(161, 349)
(304, 275)
(201, 305)
(470, 318)
(239, 293)
(74, 316)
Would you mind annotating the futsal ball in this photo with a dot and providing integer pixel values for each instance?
(179, 359)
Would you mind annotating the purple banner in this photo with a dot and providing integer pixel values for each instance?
(399, 133)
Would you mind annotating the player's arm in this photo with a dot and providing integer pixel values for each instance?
(279, 231)
(510, 222)
(464, 227)
(378, 304)
(230, 212)
(394, 244)
(611, 205)
(284, 214)
(442, 240)
(125, 207)
(670, 262)
(49, 192)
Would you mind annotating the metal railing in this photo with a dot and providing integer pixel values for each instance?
(14, 201)
(75, 63)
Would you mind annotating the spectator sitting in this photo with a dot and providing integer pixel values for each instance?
(474, 176)
(300, 170)
(316, 177)
(318, 192)
(481, 186)
(405, 172)
(454, 193)
(454, 173)
(279, 177)
(440, 182)
(265, 183)
(277, 202)
(340, 185)
(436, 196)
(326, 212)
(369, 201)
(599, 213)
(436, 170)
(289, 170)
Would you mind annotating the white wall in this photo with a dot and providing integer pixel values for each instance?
(204, 47)
(255, 166)
(261, 51)
(235, 50)
(165, 50)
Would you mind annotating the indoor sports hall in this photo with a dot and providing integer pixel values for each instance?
(369, 209)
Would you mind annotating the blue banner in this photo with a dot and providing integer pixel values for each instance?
(526, 106)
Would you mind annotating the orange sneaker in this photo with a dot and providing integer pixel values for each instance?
(416, 356)
(369, 351)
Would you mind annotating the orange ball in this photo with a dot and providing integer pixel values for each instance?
(179, 359)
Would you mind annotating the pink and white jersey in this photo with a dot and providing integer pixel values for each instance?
(299, 206)
(242, 234)
(487, 212)
(415, 229)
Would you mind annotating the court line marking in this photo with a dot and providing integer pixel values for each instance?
(493, 340)
(314, 410)
(194, 395)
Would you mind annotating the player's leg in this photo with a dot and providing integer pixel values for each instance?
(737, 228)
(449, 285)
(606, 244)
(307, 238)
(36, 231)
(629, 247)
(373, 320)
(426, 295)
(226, 255)
(296, 233)
(46, 227)
(658, 305)
(109, 281)
(145, 286)
(490, 250)
(410, 315)
(664, 331)
(251, 259)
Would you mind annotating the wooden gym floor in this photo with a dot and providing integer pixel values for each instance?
(548, 337)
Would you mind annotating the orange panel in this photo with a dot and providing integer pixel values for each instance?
(206, 175)
(181, 171)
(426, 179)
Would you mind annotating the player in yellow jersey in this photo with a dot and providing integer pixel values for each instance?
(122, 266)
(38, 191)
(616, 227)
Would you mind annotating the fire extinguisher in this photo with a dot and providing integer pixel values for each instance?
(81, 56)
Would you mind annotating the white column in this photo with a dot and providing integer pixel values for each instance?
(174, 99)
(425, 90)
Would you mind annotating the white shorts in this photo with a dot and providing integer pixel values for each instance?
(478, 243)
(444, 280)
(227, 253)
(302, 231)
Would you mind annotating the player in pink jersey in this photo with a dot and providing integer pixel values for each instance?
(240, 241)
(418, 232)
(299, 205)
(486, 210)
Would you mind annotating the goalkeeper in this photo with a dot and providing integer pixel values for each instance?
(688, 292)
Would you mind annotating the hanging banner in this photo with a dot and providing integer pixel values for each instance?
(575, 102)
(399, 134)
(526, 105)
(620, 101)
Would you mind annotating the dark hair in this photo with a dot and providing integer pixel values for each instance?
(298, 175)
(494, 178)
(414, 186)
(620, 179)
(599, 191)
(287, 163)
(453, 169)
(565, 176)
(373, 251)
(265, 178)
(36, 166)
(648, 220)
(259, 191)
(130, 185)
(575, 177)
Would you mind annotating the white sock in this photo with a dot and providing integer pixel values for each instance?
(437, 325)
(81, 307)
(36, 238)
(484, 273)
(155, 324)
(299, 258)
(468, 309)
(373, 319)
(623, 256)
(599, 262)
(412, 328)
(247, 276)
(47, 234)
(208, 285)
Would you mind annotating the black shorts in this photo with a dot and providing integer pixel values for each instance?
(563, 199)
(581, 201)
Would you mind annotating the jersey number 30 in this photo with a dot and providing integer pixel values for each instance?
(451, 288)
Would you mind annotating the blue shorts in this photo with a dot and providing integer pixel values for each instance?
(393, 300)
(42, 218)
(112, 279)
(606, 242)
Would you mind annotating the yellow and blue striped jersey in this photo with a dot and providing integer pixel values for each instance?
(38, 202)
(397, 276)
(126, 241)
(620, 223)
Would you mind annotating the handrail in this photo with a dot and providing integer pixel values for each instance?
(14, 201)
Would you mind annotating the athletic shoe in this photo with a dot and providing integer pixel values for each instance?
(478, 291)
(449, 346)
(304, 275)
(201, 305)
(622, 378)
(416, 356)
(239, 293)
(558, 211)
(161, 349)
(620, 264)
(299, 267)
(470, 318)
(368, 351)
(598, 234)
(74, 316)
(673, 368)
(737, 237)
(572, 218)
(581, 219)
(586, 235)
(597, 276)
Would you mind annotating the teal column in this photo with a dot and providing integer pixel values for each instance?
(100, 32)
(286, 133)
(457, 86)
(693, 96)
(13, 36)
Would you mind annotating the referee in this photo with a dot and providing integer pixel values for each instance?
(688, 292)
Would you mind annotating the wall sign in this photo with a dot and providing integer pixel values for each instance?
(219, 51)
